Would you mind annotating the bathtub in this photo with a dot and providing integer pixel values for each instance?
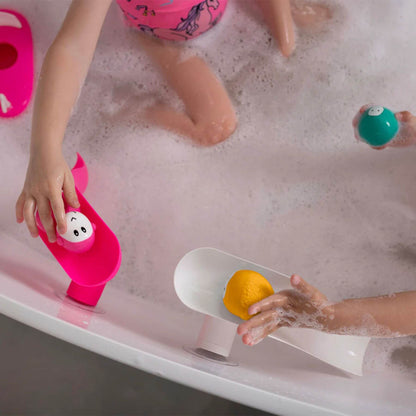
(150, 337)
(291, 191)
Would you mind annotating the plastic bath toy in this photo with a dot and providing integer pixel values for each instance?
(80, 234)
(377, 126)
(200, 278)
(16, 63)
(91, 258)
(243, 289)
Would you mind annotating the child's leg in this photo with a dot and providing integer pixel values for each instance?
(280, 16)
(209, 116)
(310, 15)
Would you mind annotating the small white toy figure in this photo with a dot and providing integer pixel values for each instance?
(80, 232)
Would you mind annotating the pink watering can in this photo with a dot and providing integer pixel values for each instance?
(89, 252)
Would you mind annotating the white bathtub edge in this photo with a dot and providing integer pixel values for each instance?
(158, 366)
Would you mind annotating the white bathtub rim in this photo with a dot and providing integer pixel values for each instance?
(167, 369)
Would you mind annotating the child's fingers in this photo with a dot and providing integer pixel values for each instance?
(45, 215)
(360, 112)
(58, 208)
(70, 194)
(365, 107)
(266, 332)
(308, 290)
(271, 302)
(29, 216)
(19, 208)
(259, 320)
(404, 116)
(255, 335)
(356, 119)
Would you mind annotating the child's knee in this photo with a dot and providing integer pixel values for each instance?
(216, 131)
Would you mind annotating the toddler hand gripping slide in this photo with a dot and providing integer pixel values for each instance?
(89, 252)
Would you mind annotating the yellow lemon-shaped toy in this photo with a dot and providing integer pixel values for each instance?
(243, 289)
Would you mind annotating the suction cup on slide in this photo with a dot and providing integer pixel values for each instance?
(215, 341)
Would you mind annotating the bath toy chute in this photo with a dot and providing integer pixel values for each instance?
(90, 259)
(200, 278)
(80, 174)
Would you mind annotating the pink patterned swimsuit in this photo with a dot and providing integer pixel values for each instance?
(173, 19)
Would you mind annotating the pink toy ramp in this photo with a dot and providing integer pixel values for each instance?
(16, 63)
(92, 269)
(80, 174)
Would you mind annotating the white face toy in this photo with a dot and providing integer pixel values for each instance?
(80, 233)
(375, 111)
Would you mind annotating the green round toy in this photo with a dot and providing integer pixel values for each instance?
(378, 126)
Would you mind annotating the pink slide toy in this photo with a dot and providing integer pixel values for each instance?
(16, 63)
(89, 252)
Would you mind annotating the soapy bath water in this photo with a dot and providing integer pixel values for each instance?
(291, 190)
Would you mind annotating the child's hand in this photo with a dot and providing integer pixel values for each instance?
(301, 307)
(407, 132)
(46, 179)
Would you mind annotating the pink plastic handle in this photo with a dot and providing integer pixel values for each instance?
(16, 63)
(80, 174)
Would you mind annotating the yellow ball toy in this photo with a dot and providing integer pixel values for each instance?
(245, 288)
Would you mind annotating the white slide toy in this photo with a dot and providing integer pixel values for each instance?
(200, 279)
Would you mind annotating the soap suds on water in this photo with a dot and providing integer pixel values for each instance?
(291, 189)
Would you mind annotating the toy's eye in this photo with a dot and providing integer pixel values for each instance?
(83, 229)
(76, 232)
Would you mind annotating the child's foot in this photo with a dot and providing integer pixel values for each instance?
(310, 15)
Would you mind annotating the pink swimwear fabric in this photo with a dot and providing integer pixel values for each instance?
(173, 19)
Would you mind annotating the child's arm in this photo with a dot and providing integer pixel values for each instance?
(383, 316)
(63, 72)
(306, 307)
